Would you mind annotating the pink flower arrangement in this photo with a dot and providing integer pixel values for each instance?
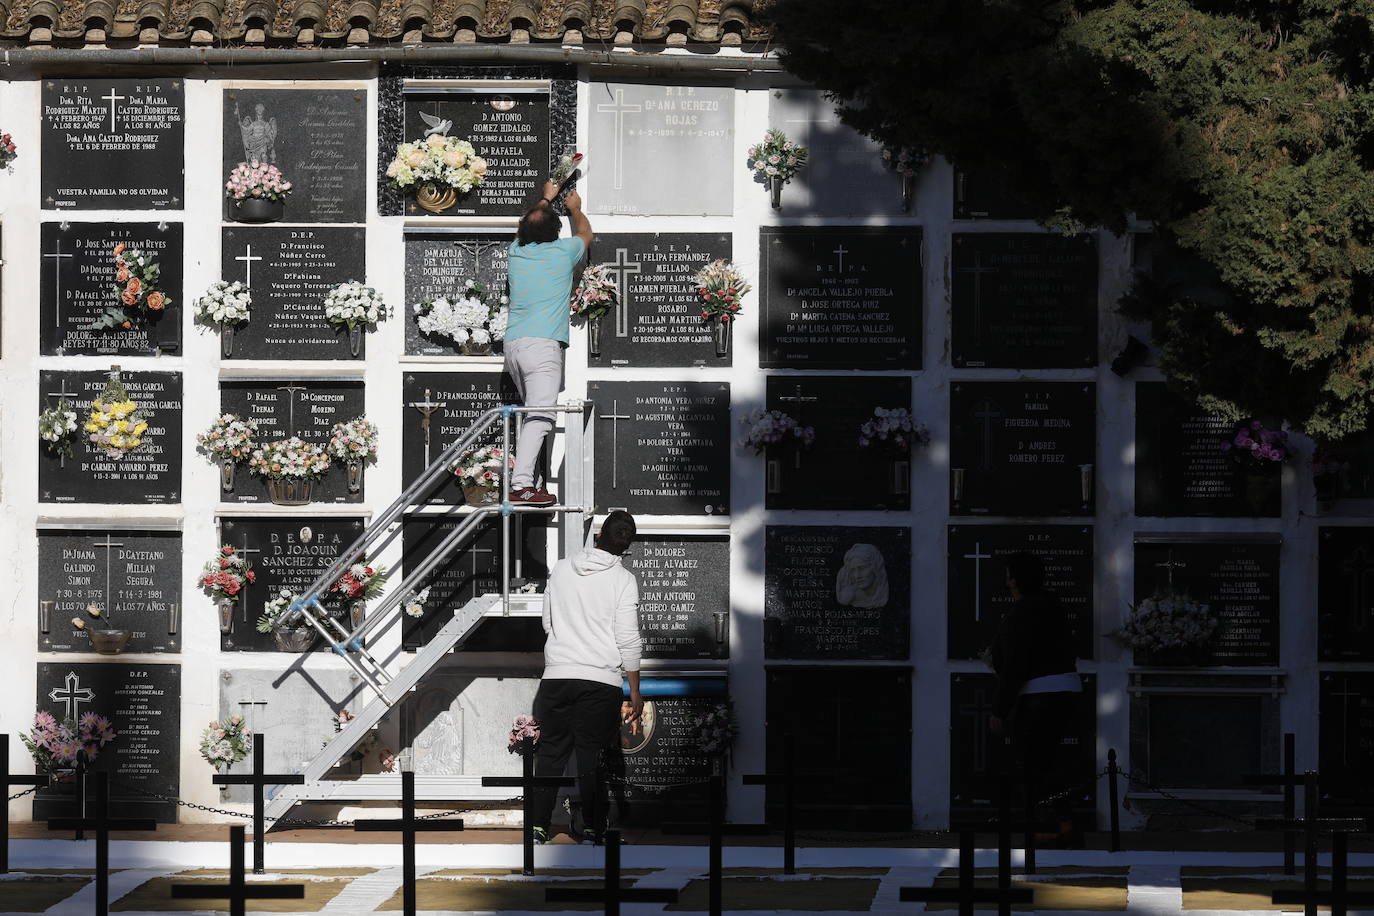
(257, 179)
(58, 745)
(596, 294)
(8, 151)
(1257, 446)
(721, 286)
(524, 735)
(227, 574)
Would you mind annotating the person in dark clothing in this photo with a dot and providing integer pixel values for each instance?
(1037, 698)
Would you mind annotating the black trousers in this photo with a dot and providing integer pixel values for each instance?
(580, 718)
(1044, 729)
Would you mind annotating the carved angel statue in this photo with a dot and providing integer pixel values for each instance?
(437, 125)
(259, 135)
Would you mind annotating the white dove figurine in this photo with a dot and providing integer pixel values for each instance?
(437, 125)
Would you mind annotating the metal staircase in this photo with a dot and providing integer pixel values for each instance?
(391, 687)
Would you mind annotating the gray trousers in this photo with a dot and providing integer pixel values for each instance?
(536, 366)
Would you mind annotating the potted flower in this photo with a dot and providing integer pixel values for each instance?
(105, 638)
(354, 442)
(354, 305)
(257, 192)
(115, 425)
(1171, 629)
(906, 162)
(290, 467)
(58, 747)
(8, 152)
(438, 168)
(524, 736)
(288, 626)
(721, 286)
(230, 441)
(364, 747)
(1261, 452)
(891, 431)
(479, 474)
(223, 578)
(773, 429)
(56, 429)
(775, 160)
(359, 584)
(225, 305)
(596, 294)
(135, 295)
(474, 321)
(224, 743)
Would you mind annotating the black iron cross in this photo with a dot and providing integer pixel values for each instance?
(237, 891)
(1290, 780)
(612, 895)
(259, 781)
(8, 779)
(716, 828)
(408, 827)
(966, 895)
(788, 780)
(102, 824)
(1339, 897)
(1311, 823)
(528, 781)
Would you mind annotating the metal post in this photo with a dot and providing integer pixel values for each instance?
(505, 515)
(789, 804)
(716, 859)
(527, 825)
(1290, 803)
(1338, 872)
(1004, 845)
(102, 845)
(612, 873)
(1115, 812)
(1309, 817)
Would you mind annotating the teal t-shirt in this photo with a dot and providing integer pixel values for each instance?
(540, 284)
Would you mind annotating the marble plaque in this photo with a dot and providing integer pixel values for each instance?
(1345, 594)
(134, 576)
(1203, 740)
(149, 474)
(662, 762)
(112, 144)
(317, 137)
(459, 724)
(304, 407)
(661, 447)
(844, 173)
(840, 297)
(644, 133)
(837, 592)
(288, 272)
(438, 265)
(76, 280)
(684, 595)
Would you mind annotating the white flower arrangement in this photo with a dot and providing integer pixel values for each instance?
(354, 440)
(439, 162)
(415, 603)
(224, 303)
(773, 427)
(1169, 621)
(481, 467)
(354, 304)
(892, 428)
(905, 161)
(224, 743)
(229, 438)
(476, 317)
(56, 427)
(776, 156)
(289, 458)
(267, 622)
(595, 295)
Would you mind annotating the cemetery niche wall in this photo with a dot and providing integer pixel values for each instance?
(1345, 601)
(439, 408)
(845, 174)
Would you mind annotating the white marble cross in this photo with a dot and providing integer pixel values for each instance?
(109, 598)
(248, 258)
(112, 98)
(619, 108)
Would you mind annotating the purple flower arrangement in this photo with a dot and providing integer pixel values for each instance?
(58, 745)
(1257, 446)
(524, 735)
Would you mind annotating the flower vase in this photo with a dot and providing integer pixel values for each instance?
(594, 337)
(257, 210)
(357, 613)
(469, 348)
(908, 192)
(355, 476)
(355, 340)
(775, 187)
(720, 333)
(293, 639)
(434, 200)
(225, 607)
(899, 480)
(290, 492)
(1261, 491)
(226, 340)
(481, 496)
(226, 476)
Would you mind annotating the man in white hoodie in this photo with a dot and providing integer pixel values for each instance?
(591, 620)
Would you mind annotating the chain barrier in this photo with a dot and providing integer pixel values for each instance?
(28, 791)
(1244, 822)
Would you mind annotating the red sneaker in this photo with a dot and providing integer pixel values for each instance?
(532, 496)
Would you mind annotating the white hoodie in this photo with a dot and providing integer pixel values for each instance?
(591, 616)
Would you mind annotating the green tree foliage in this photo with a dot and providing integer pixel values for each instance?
(1244, 128)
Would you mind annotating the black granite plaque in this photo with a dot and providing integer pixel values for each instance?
(1181, 468)
(1024, 301)
(304, 407)
(837, 592)
(1346, 726)
(112, 144)
(664, 768)
(1022, 448)
(289, 271)
(1239, 579)
(507, 126)
(988, 194)
(133, 575)
(977, 580)
(149, 474)
(317, 137)
(439, 408)
(143, 703)
(662, 447)
(684, 595)
(473, 569)
(975, 753)
(830, 712)
(840, 297)
(286, 553)
(876, 476)
(76, 281)
(438, 264)
(1202, 740)
(658, 321)
(1345, 594)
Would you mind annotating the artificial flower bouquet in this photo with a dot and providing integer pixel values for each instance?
(289, 459)
(224, 303)
(596, 294)
(764, 428)
(56, 427)
(715, 729)
(224, 742)
(1256, 446)
(115, 425)
(1169, 622)
(892, 429)
(354, 304)
(353, 440)
(230, 438)
(135, 291)
(57, 746)
(437, 161)
(524, 735)
(254, 179)
(776, 156)
(721, 286)
(227, 574)
(361, 582)
(481, 467)
(477, 317)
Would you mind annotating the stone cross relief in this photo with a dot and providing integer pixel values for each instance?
(622, 267)
(615, 416)
(108, 543)
(620, 108)
(248, 258)
(72, 696)
(978, 556)
(57, 255)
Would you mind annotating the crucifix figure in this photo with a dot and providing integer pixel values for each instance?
(798, 398)
(427, 408)
(1359, 567)
(977, 557)
(620, 108)
(73, 696)
(977, 270)
(988, 413)
(248, 258)
(1169, 565)
(112, 98)
(57, 255)
(109, 597)
(291, 405)
(615, 416)
(622, 267)
(476, 248)
(61, 394)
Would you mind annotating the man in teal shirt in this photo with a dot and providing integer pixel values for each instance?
(541, 275)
